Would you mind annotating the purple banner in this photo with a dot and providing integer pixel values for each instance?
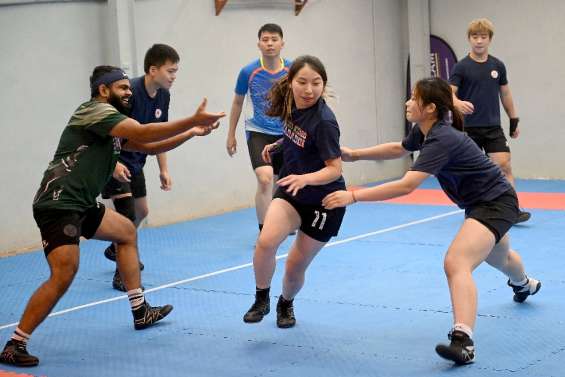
(442, 58)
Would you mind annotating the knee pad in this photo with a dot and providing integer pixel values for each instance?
(126, 207)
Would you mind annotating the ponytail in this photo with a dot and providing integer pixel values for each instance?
(457, 118)
(437, 91)
(281, 100)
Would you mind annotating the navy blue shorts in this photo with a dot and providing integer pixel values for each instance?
(490, 139)
(498, 215)
(256, 142)
(317, 222)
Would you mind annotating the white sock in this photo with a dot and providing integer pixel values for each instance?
(463, 328)
(520, 283)
(20, 336)
(136, 298)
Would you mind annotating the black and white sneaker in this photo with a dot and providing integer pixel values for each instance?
(461, 350)
(258, 310)
(15, 353)
(148, 315)
(285, 313)
(521, 292)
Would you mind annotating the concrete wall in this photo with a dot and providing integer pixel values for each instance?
(47, 54)
(49, 50)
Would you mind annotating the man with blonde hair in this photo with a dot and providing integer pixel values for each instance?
(478, 81)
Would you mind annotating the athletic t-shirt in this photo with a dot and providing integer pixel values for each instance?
(84, 161)
(464, 172)
(311, 139)
(254, 79)
(145, 110)
(479, 83)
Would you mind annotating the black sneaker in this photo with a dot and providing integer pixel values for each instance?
(150, 315)
(110, 253)
(521, 292)
(15, 353)
(258, 310)
(461, 350)
(285, 313)
(523, 216)
(118, 284)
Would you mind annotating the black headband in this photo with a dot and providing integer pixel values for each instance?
(110, 77)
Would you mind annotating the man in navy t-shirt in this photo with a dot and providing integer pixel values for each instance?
(478, 81)
(149, 104)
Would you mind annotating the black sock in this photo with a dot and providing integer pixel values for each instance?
(284, 302)
(262, 293)
(260, 227)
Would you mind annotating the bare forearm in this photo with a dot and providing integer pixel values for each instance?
(387, 151)
(159, 147)
(162, 161)
(383, 192)
(154, 132)
(508, 104)
(235, 113)
(323, 176)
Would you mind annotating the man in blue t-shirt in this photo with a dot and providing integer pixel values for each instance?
(149, 104)
(255, 81)
(478, 81)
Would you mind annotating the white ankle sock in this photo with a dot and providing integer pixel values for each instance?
(463, 328)
(136, 298)
(520, 283)
(20, 336)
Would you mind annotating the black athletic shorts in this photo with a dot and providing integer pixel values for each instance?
(256, 142)
(136, 187)
(490, 139)
(498, 215)
(319, 223)
(64, 227)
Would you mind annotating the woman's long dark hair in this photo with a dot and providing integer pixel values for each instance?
(280, 95)
(437, 91)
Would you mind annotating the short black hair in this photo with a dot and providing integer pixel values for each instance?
(159, 54)
(96, 74)
(270, 28)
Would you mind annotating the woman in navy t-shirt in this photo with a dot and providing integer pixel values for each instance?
(311, 170)
(473, 182)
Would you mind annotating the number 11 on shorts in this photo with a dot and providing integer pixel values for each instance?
(315, 222)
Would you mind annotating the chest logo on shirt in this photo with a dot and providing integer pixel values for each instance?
(296, 134)
(494, 74)
(158, 113)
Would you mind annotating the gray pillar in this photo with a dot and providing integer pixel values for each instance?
(419, 39)
(121, 27)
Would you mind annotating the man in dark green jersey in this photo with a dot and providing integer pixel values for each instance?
(65, 206)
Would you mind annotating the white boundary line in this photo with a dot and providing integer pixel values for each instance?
(241, 266)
